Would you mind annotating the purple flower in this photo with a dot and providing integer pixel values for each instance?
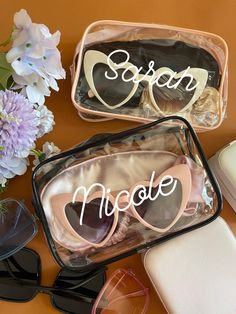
(18, 125)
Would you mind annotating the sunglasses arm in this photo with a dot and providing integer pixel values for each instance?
(83, 296)
(135, 294)
(68, 292)
(88, 278)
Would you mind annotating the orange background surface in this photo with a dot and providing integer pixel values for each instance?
(71, 18)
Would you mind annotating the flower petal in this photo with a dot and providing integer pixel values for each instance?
(19, 37)
(20, 80)
(41, 100)
(33, 94)
(44, 30)
(37, 51)
(14, 53)
(22, 19)
(3, 181)
(52, 41)
(53, 64)
(21, 68)
(53, 84)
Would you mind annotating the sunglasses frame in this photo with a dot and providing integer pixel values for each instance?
(61, 216)
(31, 222)
(176, 123)
(180, 172)
(69, 291)
(124, 272)
(93, 57)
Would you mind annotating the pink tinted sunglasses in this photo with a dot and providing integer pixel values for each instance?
(96, 228)
(123, 293)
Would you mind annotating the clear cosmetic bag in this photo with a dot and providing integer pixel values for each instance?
(118, 194)
(143, 72)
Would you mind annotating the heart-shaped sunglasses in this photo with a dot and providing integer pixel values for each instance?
(170, 191)
(129, 76)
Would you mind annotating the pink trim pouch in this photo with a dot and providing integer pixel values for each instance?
(142, 72)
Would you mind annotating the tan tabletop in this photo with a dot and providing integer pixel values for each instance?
(71, 17)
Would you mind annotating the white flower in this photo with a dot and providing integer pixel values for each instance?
(3, 181)
(10, 167)
(48, 150)
(35, 58)
(46, 120)
(33, 87)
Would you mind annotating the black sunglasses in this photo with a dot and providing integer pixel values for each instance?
(71, 293)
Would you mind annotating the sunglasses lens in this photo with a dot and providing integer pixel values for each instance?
(67, 279)
(123, 294)
(107, 88)
(24, 265)
(171, 100)
(17, 227)
(93, 228)
(160, 212)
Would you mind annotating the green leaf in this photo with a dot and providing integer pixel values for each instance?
(6, 71)
(8, 40)
(3, 61)
(10, 82)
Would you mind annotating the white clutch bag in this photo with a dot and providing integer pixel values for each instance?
(195, 273)
(224, 167)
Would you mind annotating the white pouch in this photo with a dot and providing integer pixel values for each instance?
(224, 168)
(195, 273)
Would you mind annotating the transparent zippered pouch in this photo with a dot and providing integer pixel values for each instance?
(142, 72)
(118, 194)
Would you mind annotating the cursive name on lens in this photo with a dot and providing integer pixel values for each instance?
(152, 76)
(124, 199)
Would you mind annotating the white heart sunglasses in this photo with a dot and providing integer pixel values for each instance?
(94, 57)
